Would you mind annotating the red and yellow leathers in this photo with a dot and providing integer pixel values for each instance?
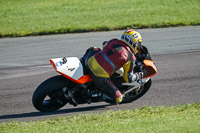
(114, 55)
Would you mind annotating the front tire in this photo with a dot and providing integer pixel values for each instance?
(49, 95)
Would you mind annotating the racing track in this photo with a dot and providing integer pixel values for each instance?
(24, 65)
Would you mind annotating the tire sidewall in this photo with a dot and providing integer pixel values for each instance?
(47, 87)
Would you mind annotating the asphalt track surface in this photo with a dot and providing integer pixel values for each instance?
(25, 64)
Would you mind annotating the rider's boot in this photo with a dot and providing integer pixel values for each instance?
(118, 97)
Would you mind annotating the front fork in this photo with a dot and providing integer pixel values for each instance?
(136, 86)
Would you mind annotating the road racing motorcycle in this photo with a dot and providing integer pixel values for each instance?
(74, 85)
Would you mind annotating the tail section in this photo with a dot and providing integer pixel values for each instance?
(70, 68)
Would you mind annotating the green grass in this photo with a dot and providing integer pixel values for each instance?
(38, 17)
(173, 119)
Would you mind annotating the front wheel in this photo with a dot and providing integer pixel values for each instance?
(137, 93)
(49, 95)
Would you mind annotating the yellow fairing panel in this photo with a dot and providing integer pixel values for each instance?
(126, 67)
(96, 68)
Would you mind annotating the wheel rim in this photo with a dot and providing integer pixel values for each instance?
(133, 94)
(53, 100)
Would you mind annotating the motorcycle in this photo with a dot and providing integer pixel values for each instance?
(74, 85)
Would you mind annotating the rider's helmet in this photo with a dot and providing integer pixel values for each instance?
(133, 39)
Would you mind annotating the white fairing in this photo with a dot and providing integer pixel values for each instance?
(136, 84)
(120, 71)
(71, 67)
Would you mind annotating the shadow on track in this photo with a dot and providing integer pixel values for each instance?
(62, 111)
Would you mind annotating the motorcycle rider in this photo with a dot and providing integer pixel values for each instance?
(114, 55)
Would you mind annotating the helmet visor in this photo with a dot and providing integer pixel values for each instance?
(129, 41)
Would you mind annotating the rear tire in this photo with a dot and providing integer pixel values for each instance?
(133, 95)
(52, 88)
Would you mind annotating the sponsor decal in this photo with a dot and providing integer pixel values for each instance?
(58, 64)
(71, 69)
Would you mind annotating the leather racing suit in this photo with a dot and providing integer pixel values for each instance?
(103, 63)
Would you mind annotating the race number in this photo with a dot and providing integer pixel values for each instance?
(135, 35)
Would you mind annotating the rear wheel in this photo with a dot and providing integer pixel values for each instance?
(49, 95)
(137, 93)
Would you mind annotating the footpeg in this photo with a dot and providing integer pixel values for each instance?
(71, 99)
(73, 102)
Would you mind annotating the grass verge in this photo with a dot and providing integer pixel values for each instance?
(40, 17)
(173, 119)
